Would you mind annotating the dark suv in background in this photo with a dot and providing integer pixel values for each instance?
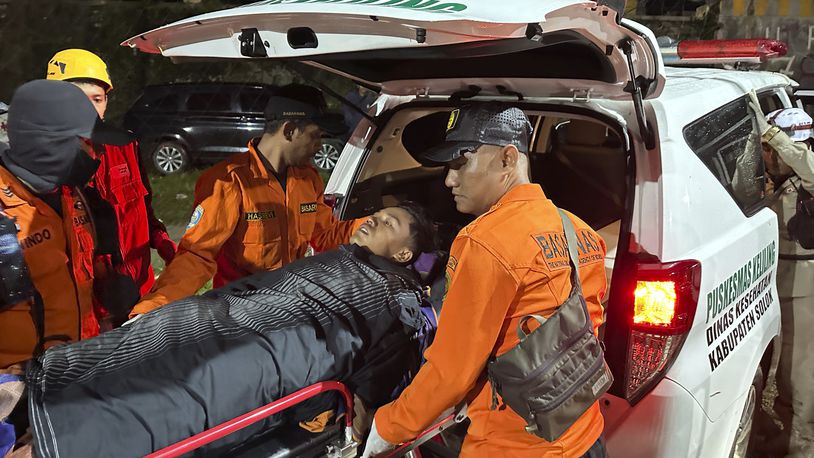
(179, 124)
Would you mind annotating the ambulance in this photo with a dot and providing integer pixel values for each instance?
(663, 162)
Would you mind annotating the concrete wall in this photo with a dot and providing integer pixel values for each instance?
(791, 21)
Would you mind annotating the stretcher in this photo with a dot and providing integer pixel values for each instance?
(336, 441)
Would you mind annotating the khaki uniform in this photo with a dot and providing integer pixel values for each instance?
(795, 286)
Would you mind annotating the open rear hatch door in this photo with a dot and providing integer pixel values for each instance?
(435, 47)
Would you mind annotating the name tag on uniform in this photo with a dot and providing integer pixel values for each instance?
(258, 216)
(310, 207)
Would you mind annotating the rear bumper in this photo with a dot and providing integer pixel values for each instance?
(668, 423)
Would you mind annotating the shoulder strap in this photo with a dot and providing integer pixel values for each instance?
(573, 256)
(573, 260)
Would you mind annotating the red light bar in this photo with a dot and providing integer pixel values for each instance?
(711, 49)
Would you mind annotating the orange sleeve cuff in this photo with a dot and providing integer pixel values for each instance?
(386, 428)
(144, 307)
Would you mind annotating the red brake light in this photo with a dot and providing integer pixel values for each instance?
(654, 303)
(712, 49)
(666, 296)
(662, 308)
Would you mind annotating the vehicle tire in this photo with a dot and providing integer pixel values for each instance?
(745, 442)
(327, 156)
(170, 157)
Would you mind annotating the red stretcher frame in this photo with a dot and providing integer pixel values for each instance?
(224, 429)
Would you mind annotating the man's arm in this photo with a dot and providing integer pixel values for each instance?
(480, 290)
(328, 231)
(213, 222)
(796, 155)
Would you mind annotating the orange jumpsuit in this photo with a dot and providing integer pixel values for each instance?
(510, 262)
(244, 223)
(59, 254)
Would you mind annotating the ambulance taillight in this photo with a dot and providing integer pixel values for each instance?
(654, 303)
(661, 300)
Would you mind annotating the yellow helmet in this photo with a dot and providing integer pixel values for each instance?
(78, 63)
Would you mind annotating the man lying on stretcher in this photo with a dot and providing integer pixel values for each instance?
(353, 315)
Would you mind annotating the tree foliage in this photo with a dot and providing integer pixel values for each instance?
(31, 31)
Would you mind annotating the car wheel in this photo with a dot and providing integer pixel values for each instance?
(170, 157)
(744, 443)
(327, 156)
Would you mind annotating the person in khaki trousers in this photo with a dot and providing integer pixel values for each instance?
(787, 136)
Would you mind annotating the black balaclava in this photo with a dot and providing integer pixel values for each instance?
(45, 122)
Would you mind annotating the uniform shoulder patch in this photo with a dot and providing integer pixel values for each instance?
(555, 248)
(196, 217)
(452, 264)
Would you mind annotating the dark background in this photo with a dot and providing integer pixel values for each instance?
(32, 31)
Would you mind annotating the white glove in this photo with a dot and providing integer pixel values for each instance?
(760, 119)
(132, 319)
(375, 445)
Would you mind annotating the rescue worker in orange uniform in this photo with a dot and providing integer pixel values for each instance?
(52, 129)
(503, 266)
(258, 210)
(121, 200)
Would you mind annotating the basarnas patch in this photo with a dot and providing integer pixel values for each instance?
(309, 207)
(196, 217)
(555, 248)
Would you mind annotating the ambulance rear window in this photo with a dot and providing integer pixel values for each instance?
(727, 144)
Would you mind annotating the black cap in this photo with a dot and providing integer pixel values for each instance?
(301, 102)
(482, 124)
(58, 109)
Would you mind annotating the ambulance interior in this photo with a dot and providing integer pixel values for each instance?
(580, 163)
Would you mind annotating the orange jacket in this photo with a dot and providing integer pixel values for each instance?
(59, 254)
(244, 223)
(509, 262)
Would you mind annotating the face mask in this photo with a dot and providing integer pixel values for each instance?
(83, 169)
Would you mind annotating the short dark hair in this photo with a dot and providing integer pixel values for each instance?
(422, 228)
(272, 127)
